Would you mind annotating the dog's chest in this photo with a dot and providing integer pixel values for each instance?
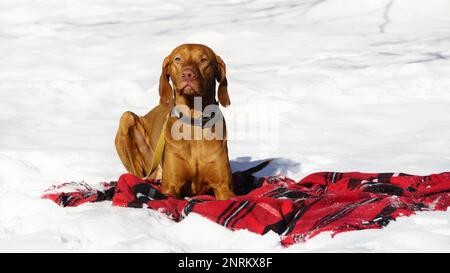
(198, 151)
(194, 142)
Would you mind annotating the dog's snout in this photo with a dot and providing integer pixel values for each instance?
(188, 75)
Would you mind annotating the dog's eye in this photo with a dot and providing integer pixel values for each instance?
(177, 59)
(203, 60)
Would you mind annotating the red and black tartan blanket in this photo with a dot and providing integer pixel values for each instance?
(323, 201)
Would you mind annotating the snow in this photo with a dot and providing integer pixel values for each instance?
(343, 85)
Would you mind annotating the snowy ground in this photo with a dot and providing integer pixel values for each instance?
(344, 85)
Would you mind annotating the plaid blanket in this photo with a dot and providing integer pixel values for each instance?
(323, 201)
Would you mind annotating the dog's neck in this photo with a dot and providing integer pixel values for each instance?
(196, 115)
(189, 100)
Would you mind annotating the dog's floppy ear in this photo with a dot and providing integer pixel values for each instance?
(221, 76)
(165, 89)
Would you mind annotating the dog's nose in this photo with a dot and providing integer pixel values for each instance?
(188, 75)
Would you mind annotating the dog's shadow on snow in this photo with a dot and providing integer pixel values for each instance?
(278, 166)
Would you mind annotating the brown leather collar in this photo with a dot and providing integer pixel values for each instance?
(199, 122)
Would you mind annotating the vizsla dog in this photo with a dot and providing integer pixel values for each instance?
(194, 161)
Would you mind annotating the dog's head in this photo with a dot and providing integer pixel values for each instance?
(193, 70)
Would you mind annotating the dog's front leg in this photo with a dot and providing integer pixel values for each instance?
(223, 193)
(219, 178)
(175, 175)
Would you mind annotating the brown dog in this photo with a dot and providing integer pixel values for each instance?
(190, 166)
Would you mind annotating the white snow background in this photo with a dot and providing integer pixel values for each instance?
(348, 85)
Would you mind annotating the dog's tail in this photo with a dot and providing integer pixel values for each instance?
(258, 167)
(244, 181)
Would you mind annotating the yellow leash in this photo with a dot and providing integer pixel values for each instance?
(157, 155)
